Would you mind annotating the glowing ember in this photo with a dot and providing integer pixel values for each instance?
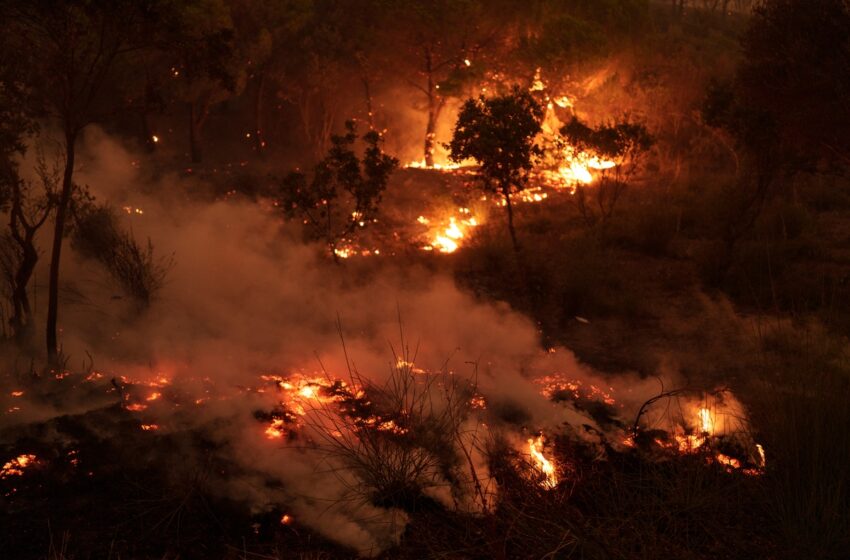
(16, 466)
(285, 519)
(478, 402)
(544, 465)
(17, 393)
(728, 461)
(149, 427)
(275, 429)
(445, 166)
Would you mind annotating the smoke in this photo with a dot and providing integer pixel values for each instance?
(245, 297)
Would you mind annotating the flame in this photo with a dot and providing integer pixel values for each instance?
(16, 466)
(706, 421)
(761, 457)
(285, 519)
(448, 236)
(275, 429)
(728, 461)
(444, 166)
(544, 465)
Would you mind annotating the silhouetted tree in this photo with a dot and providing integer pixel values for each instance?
(344, 192)
(72, 50)
(499, 133)
(796, 69)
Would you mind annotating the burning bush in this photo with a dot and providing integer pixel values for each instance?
(344, 192)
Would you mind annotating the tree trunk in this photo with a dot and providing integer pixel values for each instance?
(55, 257)
(435, 106)
(147, 135)
(430, 133)
(22, 311)
(367, 91)
(510, 210)
(259, 129)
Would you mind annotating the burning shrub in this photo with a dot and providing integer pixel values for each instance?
(405, 441)
(98, 236)
(344, 192)
(622, 144)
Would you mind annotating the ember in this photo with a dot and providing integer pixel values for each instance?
(16, 466)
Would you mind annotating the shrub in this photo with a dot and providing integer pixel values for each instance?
(133, 266)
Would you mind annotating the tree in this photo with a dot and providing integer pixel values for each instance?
(198, 43)
(796, 69)
(29, 209)
(622, 144)
(72, 50)
(499, 133)
(344, 192)
(785, 110)
(443, 38)
(266, 33)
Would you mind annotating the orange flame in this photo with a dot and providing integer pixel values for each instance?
(544, 465)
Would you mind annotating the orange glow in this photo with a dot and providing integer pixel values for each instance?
(16, 466)
(544, 465)
(275, 429)
(447, 234)
(706, 421)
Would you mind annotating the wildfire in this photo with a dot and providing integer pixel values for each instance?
(541, 463)
(299, 394)
(445, 166)
(574, 167)
(275, 429)
(706, 422)
(16, 466)
(447, 236)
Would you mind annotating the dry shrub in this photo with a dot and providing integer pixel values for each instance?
(406, 441)
(132, 265)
